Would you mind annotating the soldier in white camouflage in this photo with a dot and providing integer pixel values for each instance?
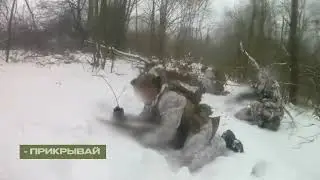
(214, 81)
(177, 123)
(267, 111)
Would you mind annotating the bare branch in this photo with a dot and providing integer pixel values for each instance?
(252, 60)
(30, 11)
(109, 85)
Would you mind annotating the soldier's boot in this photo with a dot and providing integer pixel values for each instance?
(232, 142)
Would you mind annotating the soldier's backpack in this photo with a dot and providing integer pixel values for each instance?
(190, 87)
(182, 83)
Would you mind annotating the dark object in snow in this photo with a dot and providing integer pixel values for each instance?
(118, 114)
(232, 142)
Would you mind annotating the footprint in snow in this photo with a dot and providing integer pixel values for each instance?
(259, 169)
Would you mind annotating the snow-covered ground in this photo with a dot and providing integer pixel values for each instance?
(61, 104)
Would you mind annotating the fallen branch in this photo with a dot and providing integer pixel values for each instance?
(252, 60)
(130, 56)
(133, 56)
(121, 53)
(285, 50)
(256, 65)
(237, 85)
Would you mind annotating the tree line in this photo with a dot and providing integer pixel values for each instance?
(284, 35)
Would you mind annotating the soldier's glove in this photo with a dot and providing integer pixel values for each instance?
(118, 114)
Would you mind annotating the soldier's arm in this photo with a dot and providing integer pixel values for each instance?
(171, 107)
(144, 116)
(143, 120)
(136, 125)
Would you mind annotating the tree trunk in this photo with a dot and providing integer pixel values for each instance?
(8, 47)
(293, 50)
(153, 28)
(262, 20)
(162, 27)
(136, 20)
(282, 39)
(251, 36)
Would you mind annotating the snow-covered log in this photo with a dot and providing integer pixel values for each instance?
(129, 55)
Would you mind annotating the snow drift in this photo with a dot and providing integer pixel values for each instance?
(60, 104)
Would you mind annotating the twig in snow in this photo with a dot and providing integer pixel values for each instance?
(308, 139)
(108, 84)
(119, 74)
(41, 64)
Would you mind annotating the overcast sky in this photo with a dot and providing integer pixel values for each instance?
(218, 6)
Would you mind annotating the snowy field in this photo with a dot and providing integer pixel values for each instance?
(60, 104)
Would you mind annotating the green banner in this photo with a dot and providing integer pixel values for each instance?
(63, 151)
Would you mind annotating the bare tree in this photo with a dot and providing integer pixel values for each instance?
(162, 27)
(293, 50)
(77, 8)
(9, 30)
(153, 27)
(136, 23)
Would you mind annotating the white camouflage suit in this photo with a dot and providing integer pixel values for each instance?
(199, 149)
(207, 80)
(269, 108)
